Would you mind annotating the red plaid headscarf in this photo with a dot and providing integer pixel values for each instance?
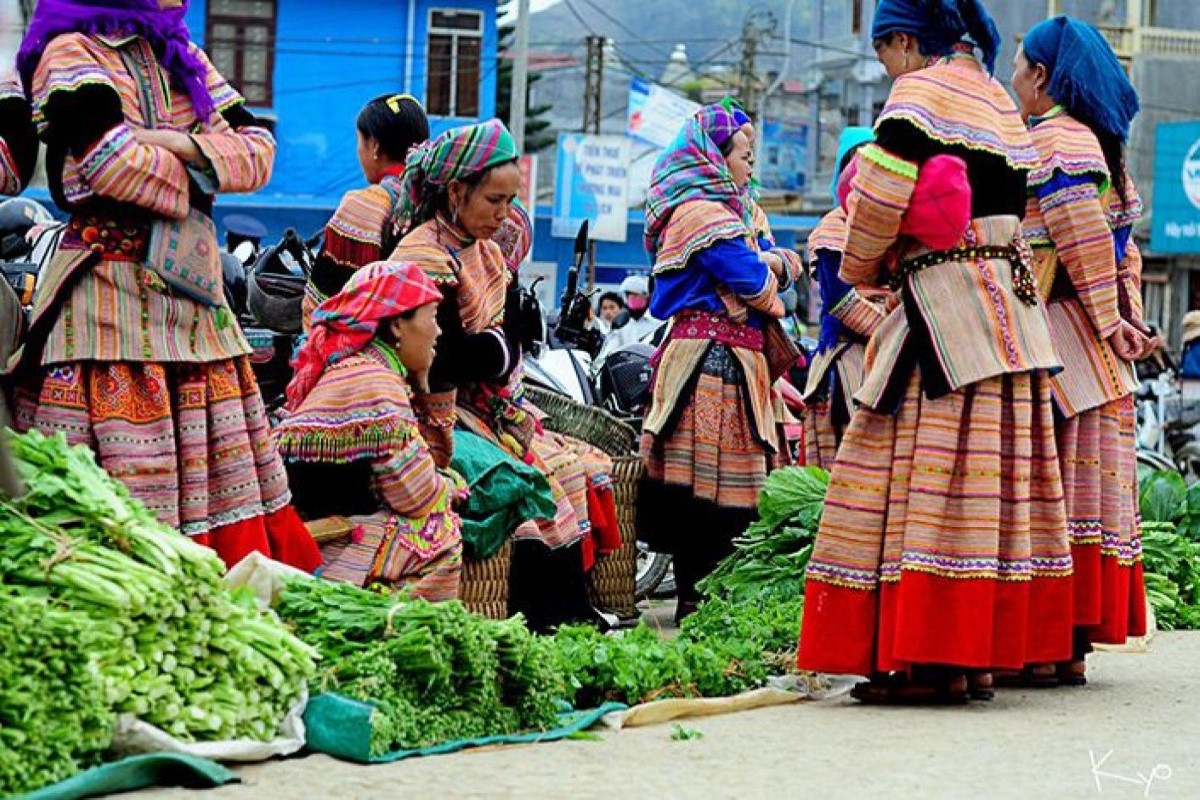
(348, 321)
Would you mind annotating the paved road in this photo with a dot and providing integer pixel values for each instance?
(1140, 712)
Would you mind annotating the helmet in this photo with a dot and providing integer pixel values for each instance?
(17, 216)
(275, 293)
(635, 284)
(625, 379)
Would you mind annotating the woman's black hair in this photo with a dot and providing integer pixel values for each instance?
(397, 122)
(727, 147)
(848, 157)
(1114, 156)
(613, 296)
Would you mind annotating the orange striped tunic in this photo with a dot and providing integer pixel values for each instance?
(115, 311)
(1069, 222)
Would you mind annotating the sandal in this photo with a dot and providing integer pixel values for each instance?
(899, 690)
(1072, 673)
(981, 686)
(1035, 676)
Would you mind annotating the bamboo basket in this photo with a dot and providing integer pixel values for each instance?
(483, 588)
(614, 577)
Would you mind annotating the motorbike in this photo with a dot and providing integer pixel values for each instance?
(1168, 424)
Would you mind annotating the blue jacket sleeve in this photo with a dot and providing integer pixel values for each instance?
(735, 265)
(833, 288)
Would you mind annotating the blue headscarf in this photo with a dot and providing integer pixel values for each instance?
(851, 137)
(939, 25)
(1085, 76)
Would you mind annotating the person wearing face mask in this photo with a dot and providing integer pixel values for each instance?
(459, 192)
(366, 226)
(1082, 207)
(636, 324)
(709, 437)
(352, 420)
(942, 552)
(132, 349)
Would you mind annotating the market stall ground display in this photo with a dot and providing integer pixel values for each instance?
(1171, 549)
(168, 642)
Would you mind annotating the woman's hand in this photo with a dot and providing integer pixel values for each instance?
(1128, 342)
(775, 262)
(177, 143)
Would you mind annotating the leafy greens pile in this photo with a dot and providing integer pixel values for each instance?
(770, 558)
(178, 650)
(724, 649)
(434, 671)
(1171, 549)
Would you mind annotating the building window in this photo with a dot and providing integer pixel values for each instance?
(454, 63)
(241, 43)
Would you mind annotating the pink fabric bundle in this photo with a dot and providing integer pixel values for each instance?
(940, 209)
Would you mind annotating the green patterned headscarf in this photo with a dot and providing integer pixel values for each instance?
(456, 154)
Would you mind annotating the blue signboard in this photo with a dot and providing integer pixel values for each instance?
(592, 183)
(785, 154)
(1176, 220)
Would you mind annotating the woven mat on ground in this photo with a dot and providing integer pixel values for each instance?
(341, 727)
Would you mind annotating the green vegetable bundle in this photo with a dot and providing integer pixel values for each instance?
(186, 654)
(724, 649)
(1171, 563)
(769, 560)
(54, 717)
(435, 672)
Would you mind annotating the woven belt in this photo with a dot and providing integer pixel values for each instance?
(1024, 287)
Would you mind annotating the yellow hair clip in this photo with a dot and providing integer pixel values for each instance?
(393, 102)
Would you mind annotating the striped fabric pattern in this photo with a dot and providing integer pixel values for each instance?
(10, 179)
(1099, 470)
(880, 193)
(191, 441)
(714, 447)
(457, 153)
(956, 102)
(361, 409)
(977, 327)
(1069, 222)
(951, 504)
(117, 167)
(696, 226)
(475, 269)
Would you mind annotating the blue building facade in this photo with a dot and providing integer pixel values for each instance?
(309, 66)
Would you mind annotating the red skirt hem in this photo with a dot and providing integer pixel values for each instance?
(281, 536)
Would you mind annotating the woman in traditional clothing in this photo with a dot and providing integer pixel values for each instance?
(709, 437)
(366, 227)
(942, 553)
(132, 350)
(848, 320)
(353, 423)
(459, 193)
(1082, 207)
(18, 137)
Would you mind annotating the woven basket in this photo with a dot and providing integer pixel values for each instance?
(615, 576)
(484, 585)
(593, 425)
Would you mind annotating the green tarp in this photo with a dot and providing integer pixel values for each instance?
(139, 772)
(341, 727)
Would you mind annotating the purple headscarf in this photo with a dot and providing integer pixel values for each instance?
(164, 29)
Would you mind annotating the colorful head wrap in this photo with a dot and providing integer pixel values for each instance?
(692, 168)
(1085, 75)
(164, 29)
(456, 154)
(515, 237)
(939, 25)
(348, 321)
(851, 137)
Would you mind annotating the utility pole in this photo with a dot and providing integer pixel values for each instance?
(750, 35)
(593, 91)
(593, 84)
(520, 75)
